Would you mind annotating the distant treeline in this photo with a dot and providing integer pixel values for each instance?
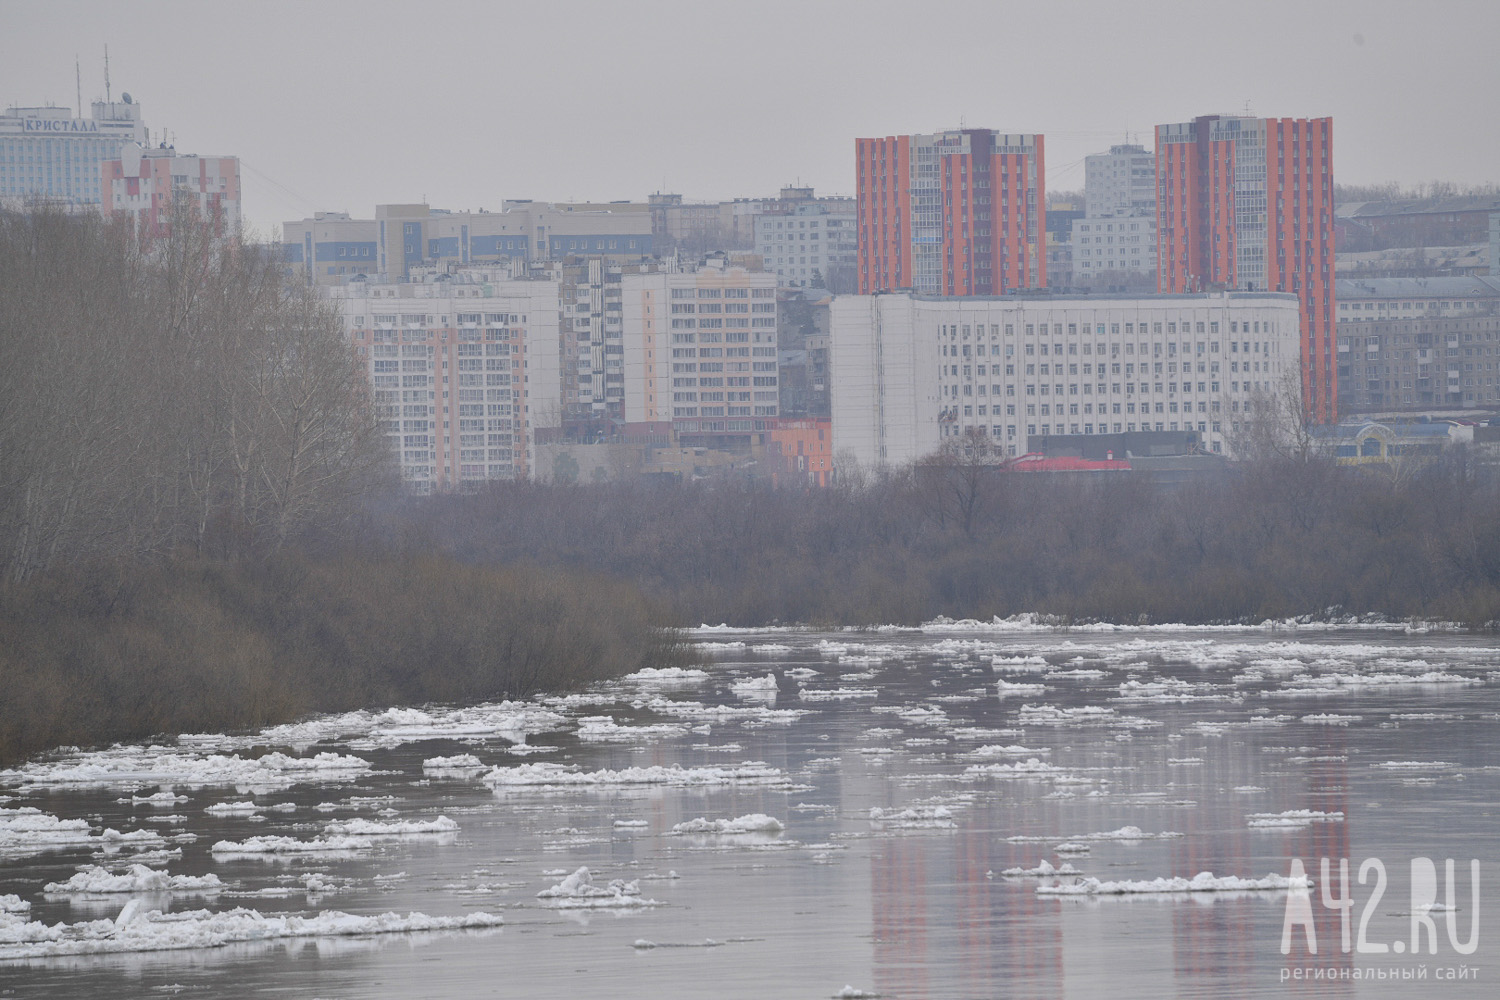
(1268, 539)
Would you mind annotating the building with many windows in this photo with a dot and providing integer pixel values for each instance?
(1418, 344)
(1247, 203)
(910, 372)
(699, 351)
(53, 155)
(1107, 250)
(1120, 182)
(809, 244)
(330, 247)
(143, 184)
(960, 212)
(464, 368)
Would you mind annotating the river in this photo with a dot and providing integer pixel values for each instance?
(813, 814)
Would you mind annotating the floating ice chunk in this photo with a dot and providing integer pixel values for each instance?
(1415, 765)
(137, 930)
(1072, 847)
(548, 775)
(290, 845)
(1293, 818)
(163, 765)
(850, 993)
(1044, 869)
(579, 891)
(13, 904)
(163, 799)
(232, 809)
(837, 694)
(630, 824)
(802, 673)
(1202, 882)
(913, 818)
(667, 677)
(697, 712)
(137, 878)
(460, 764)
(1006, 689)
(720, 647)
(754, 685)
(1031, 767)
(751, 823)
(1331, 719)
(1130, 833)
(405, 828)
(1021, 663)
(604, 729)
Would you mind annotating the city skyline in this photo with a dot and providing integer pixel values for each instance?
(620, 103)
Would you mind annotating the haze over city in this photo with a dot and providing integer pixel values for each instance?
(342, 106)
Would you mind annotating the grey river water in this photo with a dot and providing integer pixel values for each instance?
(904, 770)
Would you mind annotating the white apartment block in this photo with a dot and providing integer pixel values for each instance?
(465, 371)
(800, 244)
(1120, 182)
(910, 371)
(1113, 244)
(699, 349)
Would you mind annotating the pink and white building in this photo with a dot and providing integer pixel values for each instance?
(143, 182)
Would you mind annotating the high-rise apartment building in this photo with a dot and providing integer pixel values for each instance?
(144, 183)
(699, 351)
(1247, 203)
(1120, 182)
(50, 154)
(464, 372)
(960, 212)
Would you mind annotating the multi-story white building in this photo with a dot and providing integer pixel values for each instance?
(804, 244)
(1120, 182)
(465, 371)
(910, 371)
(1126, 243)
(49, 153)
(699, 350)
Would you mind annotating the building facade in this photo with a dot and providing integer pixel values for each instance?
(806, 244)
(330, 247)
(699, 352)
(465, 372)
(1114, 246)
(1247, 203)
(910, 372)
(960, 212)
(51, 154)
(144, 183)
(1120, 182)
(1418, 344)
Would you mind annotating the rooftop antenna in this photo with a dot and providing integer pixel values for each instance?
(108, 98)
(78, 80)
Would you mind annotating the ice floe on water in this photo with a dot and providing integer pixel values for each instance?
(604, 729)
(396, 726)
(10, 903)
(27, 830)
(667, 677)
(398, 828)
(918, 817)
(92, 879)
(232, 809)
(1202, 882)
(549, 775)
(751, 823)
(460, 765)
(1079, 840)
(1292, 818)
(579, 891)
(1044, 869)
(139, 930)
(755, 688)
(273, 845)
(122, 766)
(1007, 689)
(836, 694)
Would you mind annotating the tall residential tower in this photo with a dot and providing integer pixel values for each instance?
(1247, 203)
(960, 212)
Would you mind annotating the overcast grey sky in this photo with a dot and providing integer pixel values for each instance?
(345, 105)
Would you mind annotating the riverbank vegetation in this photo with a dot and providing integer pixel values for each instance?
(1270, 539)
